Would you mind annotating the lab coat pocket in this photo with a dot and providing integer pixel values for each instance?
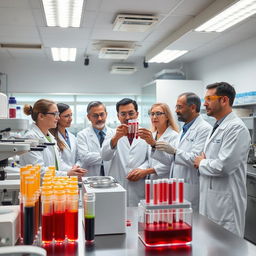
(220, 207)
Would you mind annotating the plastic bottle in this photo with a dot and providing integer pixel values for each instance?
(12, 107)
(3, 106)
(18, 112)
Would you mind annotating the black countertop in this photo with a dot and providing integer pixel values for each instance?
(209, 239)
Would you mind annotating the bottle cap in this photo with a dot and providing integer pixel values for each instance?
(12, 100)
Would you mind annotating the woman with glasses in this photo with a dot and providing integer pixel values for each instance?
(66, 141)
(45, 115)
(163, 128)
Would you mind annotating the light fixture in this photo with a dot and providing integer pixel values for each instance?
(63, 54)
(63, 13)
(167, 56)
(229, 17)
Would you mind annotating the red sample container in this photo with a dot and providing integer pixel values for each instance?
(171, 231)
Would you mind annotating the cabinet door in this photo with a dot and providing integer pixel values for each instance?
(250, 221)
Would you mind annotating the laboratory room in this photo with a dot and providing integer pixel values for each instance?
(127, 127)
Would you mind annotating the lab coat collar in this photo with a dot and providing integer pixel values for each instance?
(222, 126)
(192, 127)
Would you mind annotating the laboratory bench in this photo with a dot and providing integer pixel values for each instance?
(209, 239)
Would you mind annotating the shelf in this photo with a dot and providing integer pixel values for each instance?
(245, 105)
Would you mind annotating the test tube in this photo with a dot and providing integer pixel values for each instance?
(174, 190)
(165, 191)
(47, 214)
(136, 129)
(155, 191)
(29, 211)
(89, 216)
(59, 213)
(72, 213)
(161, 190)
(170, 181)
(147, 190)
(181, 198)
(181, 190)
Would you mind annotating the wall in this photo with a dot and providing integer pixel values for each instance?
(44, 76)
(235, 64)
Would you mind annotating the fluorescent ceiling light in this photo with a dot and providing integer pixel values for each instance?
(64, 54)
(229, 17)
(167, 56)
(63, 13)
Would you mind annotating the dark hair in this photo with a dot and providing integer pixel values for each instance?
(93, 104)
(62, 107)
(224, 89)
(126, 101)
(40, 106)
(192, 99)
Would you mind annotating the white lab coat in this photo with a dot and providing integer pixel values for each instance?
(89, 151)
(46, 157)
(69, 155)
(190, 146)
(124, 158)
(223, 175)
(162, 170)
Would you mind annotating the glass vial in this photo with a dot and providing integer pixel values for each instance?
(89, 216)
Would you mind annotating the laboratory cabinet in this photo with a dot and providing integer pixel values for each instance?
(250, 223)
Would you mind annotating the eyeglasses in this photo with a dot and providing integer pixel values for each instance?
(55, 114)
(67, 116)
(96, 116)
(157, 114)
(130, 114)
(212, 98)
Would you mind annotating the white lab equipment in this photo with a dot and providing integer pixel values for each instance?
(3, 106)
(9, 225)
(110, 204)
(22, 249)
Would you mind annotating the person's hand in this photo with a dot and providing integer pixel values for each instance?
(198, 159)
(136, 175)
(166, 147)
(146, 135)
(121, 130)
(77, 171)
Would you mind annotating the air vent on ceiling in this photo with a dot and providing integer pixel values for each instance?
(134, 22)
(124, 69)
(115, 53)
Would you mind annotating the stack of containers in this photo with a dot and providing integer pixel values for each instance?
(59, 208)
(165, 218)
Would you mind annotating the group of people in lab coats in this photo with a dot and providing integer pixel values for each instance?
(211, 160)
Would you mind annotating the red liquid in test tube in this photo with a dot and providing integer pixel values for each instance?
(170, 191)
(165, 190)
(147, 191)
(136, 129)
(174, 189)
(161, 190)
(155, 192)
(181, 190)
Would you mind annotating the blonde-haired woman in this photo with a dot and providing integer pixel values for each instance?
(163, 128)
(45, 115)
